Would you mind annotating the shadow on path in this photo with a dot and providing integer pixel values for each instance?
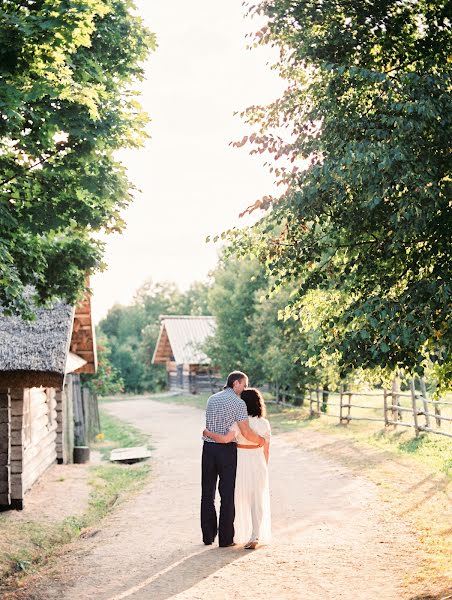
(182, 574)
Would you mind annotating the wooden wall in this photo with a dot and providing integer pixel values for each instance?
(33, 437)
(41, 452)
(36, 428)
(65, 423)
(193, 379)
(16, 448)
(83, 340)
(5, 449)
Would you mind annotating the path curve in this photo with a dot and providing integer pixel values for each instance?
(330, 540)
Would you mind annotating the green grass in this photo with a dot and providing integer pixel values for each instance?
(111, 485)
(433, 450)
(27, 546)
(117, 434)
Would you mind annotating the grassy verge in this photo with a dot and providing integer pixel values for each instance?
(117, 434)
(25, 547)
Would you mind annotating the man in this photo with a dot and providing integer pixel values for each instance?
(220, 460)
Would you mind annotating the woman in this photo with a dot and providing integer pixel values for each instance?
(252, 497)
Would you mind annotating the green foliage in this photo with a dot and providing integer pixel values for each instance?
(107, 380)
(360, 142)
(280, 348)
(122, 327)
(232, 300)
(252, 334)
(67, 72)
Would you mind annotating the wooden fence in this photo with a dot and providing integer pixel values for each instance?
(392, 407)
(86, 413)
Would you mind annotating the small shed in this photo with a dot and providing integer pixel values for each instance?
(40, 363)
(180, 348)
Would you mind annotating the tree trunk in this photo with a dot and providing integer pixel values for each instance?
(325, 396)
(298, 400)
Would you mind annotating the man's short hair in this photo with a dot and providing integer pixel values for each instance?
(234, 376)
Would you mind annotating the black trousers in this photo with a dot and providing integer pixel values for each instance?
(219, 461)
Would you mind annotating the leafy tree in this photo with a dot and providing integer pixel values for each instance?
(127, 363)
(107, 380)
(195, 300)
(232, 300)
(255, 332)
(67, 72)
(122, 327)
(280, 348)
(360, 142)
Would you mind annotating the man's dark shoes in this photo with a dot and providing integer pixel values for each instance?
(209, 542)
(227, 545)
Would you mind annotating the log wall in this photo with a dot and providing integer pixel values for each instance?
(41, 452)
(33, 438)
(187, 379)
(17, 441)
(5, 449)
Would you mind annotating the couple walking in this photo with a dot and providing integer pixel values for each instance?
(236, 451)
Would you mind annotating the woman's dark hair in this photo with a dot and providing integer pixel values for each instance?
(254, 402)
(234, 376)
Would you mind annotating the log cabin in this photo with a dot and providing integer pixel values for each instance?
(40, 366)
(180, 348)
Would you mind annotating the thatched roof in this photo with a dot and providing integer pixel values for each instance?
(34, 353)
(181, 339)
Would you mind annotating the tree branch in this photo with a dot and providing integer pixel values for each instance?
(39, 162)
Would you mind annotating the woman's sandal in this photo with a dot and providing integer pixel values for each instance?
(251, 545)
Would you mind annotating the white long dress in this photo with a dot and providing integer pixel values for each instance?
(252, 494)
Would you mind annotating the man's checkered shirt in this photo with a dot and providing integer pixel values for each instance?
(223, 409)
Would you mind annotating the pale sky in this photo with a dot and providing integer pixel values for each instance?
(192, 182)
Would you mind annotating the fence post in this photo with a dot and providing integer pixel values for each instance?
(424, 401)
(318, 401)
(413, 402)
(437, 407)
(341, 396)
(385, 406)
(349, 408)
(395, 400)
(311, 411)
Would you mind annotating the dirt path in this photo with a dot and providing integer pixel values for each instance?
(330, 540)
